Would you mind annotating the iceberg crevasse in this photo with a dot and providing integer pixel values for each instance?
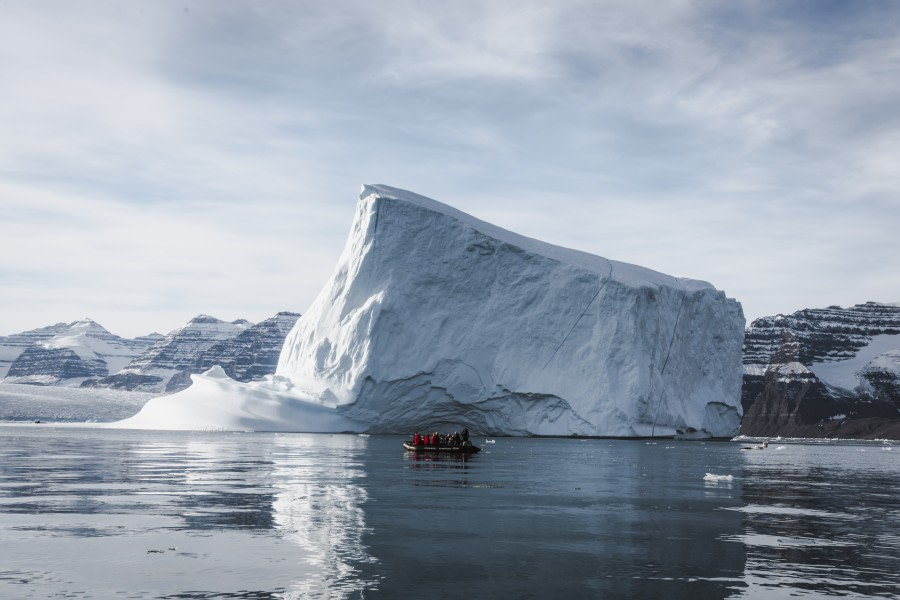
(435, 319)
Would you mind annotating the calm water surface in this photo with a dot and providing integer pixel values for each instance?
(91, 513)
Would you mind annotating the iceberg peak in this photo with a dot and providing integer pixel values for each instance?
(216, 372)
(372, 194)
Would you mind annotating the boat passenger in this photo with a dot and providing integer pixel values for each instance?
(465, 434)
(416, 439)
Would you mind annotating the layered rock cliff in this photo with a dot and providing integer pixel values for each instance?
(167, 364)
(66, 354)
(251, 354)
(832, 372)
(11, 346)
(245, 351)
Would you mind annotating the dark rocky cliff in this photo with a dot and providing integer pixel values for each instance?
(12, 346)
(42, 365)
(163, 366)
(67, 352)
(245, 351)
(252, 354)
(783, 394)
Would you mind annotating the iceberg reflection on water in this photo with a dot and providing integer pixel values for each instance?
(318, 506)
(187, 515)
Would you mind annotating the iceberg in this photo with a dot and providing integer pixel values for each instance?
(434, 319)
(216, 402)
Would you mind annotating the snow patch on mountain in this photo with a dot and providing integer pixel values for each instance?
(253, 353)
(850, 383)
(167, 364)
(846, 373)
(787, 371)
(66, 354)
(12, 346)
(90, 341)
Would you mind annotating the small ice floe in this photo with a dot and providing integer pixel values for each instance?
(764, 446)
(886, 448)
(490, 441)
(714, 477)
(781, 448)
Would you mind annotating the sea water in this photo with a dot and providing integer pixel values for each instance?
(92, 513)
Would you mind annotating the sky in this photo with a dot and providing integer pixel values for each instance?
(162, 159)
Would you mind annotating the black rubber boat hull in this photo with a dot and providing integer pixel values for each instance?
(470, 449)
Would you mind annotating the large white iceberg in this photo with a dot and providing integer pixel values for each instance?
(434, 319)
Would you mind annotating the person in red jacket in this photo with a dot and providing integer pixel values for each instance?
(416, 439)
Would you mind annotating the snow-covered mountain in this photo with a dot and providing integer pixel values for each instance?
(435, 319)
(253, 353)
(67, 353)
(11, 346)
(84, 353)
(824, 372)
(167, 364)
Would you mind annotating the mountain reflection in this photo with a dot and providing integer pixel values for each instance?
(820, 519)
(211, 483)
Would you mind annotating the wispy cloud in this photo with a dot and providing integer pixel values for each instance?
(208, 153)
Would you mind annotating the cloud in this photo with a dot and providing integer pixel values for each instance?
(186, 147)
